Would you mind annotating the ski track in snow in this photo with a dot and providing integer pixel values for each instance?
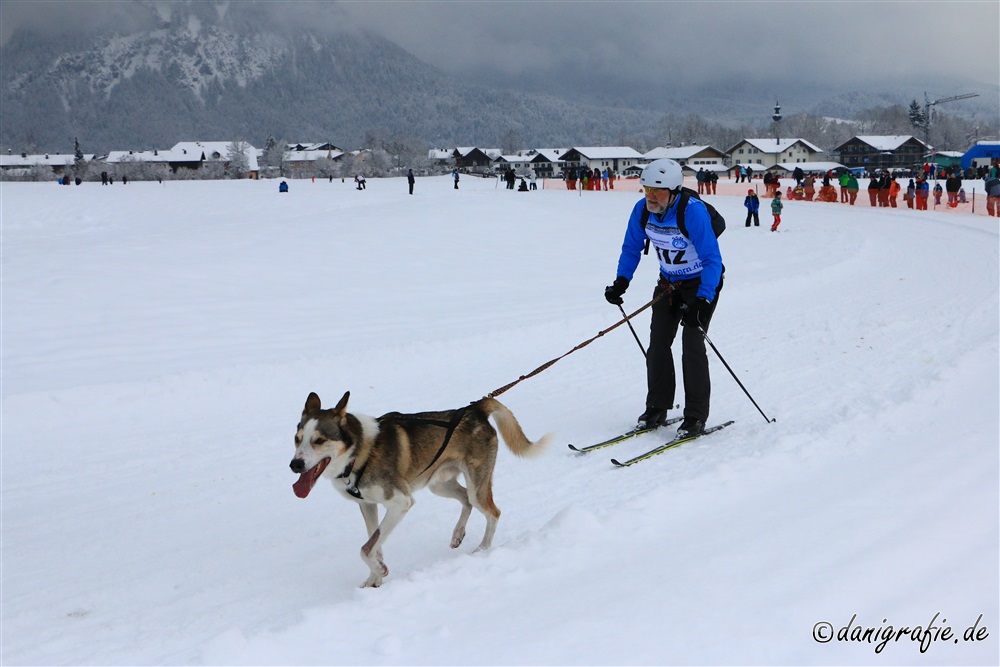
(159, 342)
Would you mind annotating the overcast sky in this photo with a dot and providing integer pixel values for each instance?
(639, 41)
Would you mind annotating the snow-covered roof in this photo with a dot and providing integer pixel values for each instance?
(514, 159)
(45, 159)
(886, 143)
(548, 154)
(439, 154)
(679, 152)
(317, 146)
(210, 150)
(185, 151)
(770, 146)
(115, 157)
(310, 155)
(606, 152)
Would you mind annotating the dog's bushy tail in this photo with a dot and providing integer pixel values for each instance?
(511, 431)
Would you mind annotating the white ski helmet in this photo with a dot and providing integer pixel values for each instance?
(662, 173)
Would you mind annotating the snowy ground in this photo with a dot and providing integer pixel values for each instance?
(159, 342)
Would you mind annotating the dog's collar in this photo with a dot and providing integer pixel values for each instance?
(352, 487)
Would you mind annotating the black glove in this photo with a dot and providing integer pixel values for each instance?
(613, 292)
(697, 314)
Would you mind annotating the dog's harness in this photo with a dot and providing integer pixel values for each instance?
(346, 474)
(449, 425)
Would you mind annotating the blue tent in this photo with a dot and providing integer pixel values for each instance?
(982, 149)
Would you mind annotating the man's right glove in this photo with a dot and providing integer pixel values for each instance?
(613, 292)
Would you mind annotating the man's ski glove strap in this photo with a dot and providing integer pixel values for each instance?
(698, 313)
(613, 292)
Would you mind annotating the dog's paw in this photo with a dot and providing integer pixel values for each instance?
(374, 580)
(456, 539)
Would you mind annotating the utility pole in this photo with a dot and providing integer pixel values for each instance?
(927, 111)
(777, 119)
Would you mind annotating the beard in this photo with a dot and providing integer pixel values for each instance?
(658, 209)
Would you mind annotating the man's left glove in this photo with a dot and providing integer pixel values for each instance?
(697, 314)
(613, 292)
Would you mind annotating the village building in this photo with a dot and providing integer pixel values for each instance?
(697, 157)
(617, 158)
(470, 158)
(21, 164)
(763, 153)
(310, 159)
(882, 152)
(189, 155)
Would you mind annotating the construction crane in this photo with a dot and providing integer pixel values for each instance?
(927, 111)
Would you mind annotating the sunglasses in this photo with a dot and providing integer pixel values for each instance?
(654, 191)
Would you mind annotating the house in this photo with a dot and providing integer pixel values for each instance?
(946, 159)
(691, 156)
(618, 158)
(882, 152)
(544, 162)
(521, 164)
(440, 157)
(215, 151)
(22, 163)
(472, 159)
(769, 152)
(309, 160)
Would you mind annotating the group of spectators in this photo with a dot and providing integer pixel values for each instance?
(884, 188)
(707, 181)
(590, 179)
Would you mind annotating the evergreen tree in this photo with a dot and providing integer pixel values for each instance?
(79, 162)
(917, 116)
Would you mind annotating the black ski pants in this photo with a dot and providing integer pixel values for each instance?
(661, 378)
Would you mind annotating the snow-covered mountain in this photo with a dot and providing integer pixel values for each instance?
(191, 73)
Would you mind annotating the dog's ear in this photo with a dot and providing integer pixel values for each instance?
(342, 405)
(312, 403)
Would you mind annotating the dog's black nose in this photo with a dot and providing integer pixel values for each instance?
(297, 465)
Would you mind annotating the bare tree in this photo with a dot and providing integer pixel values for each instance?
(237, 159)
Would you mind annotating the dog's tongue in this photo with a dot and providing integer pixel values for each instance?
(307, 480)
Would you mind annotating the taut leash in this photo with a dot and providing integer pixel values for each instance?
(657, 297)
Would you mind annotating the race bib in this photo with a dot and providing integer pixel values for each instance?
(675, 251)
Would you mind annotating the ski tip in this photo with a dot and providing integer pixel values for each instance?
(615, 461)
(574, 448)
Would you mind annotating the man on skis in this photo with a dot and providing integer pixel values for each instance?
(691, 276)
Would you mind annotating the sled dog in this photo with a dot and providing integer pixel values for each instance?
(384, 460)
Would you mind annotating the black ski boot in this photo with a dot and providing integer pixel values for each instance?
(690, 427)
(653, 417)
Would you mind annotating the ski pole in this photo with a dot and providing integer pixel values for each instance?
(634, 334)
(716, 350)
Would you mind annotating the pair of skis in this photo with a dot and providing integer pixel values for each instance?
(628, 435)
